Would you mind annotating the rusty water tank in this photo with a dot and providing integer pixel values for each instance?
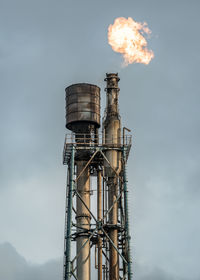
(82, 106)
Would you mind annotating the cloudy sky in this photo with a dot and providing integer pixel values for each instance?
(46, 45)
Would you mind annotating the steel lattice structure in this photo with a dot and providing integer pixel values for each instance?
(98, 229)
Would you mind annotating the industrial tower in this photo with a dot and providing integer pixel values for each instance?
(97, 227)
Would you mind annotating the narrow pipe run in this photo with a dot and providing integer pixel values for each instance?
(99, 217)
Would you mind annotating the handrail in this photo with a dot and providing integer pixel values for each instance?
(100, 139)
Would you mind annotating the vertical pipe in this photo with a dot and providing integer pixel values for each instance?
(113, 232)
(103, 196)
(106, 260)
(99, 217)
(126, 217)
(69, 217)
(83, 222)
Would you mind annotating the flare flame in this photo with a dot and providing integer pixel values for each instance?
(126, 36)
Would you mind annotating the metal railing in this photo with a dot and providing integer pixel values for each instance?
(97, 140)
(92, 141)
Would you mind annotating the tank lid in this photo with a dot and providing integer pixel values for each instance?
(82, 84)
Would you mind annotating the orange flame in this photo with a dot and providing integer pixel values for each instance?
(125, 36)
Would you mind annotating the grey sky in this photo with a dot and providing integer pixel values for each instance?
(47, 45)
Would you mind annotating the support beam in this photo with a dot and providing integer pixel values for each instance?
(69, 218)
(126, 217)
(99, 217)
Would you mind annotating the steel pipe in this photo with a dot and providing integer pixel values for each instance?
(83, 220)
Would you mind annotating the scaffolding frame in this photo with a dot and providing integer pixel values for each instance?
(98, 233)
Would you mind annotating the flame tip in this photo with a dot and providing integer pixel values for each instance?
(125, 36)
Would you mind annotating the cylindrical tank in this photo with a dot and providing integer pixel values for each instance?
(82, 107)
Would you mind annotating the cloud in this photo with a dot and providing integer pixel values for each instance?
(14, 267)
(145, 272)
(158, 274)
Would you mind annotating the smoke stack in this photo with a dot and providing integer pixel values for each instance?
(112, 123)
(112, 136)
(112, 91)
